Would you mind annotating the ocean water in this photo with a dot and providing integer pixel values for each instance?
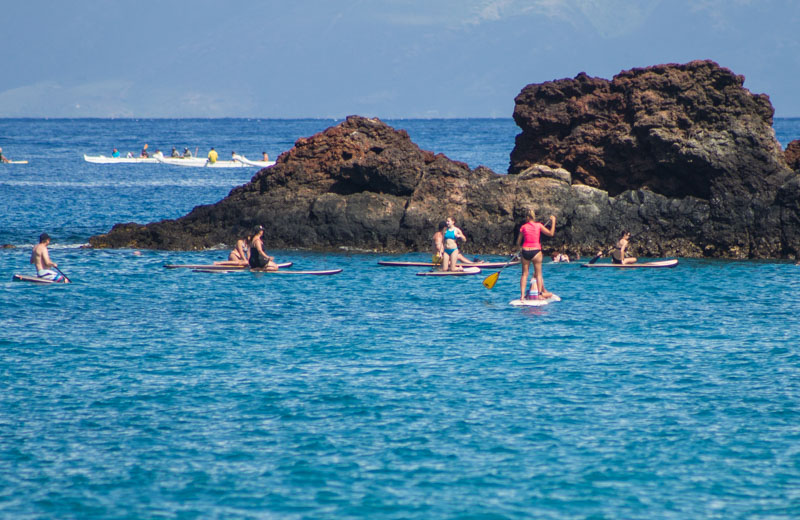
(142, 392)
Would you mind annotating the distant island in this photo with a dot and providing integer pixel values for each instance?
(680, 154)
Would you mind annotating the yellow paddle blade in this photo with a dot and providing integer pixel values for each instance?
(490, 280)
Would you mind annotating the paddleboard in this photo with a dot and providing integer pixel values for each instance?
(289, 271)
(219, 267)
(16, 162)
(34, 279)
(535, 303)
(465, 272)
(661, 263)
(486, 265)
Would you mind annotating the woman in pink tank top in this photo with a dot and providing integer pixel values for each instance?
(531, 251)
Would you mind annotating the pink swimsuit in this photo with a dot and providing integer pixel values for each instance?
(530, 235)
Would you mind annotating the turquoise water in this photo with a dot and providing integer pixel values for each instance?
(141, 392)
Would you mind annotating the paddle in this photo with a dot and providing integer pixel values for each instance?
(62, 274)
(490, 280)
(607, 251)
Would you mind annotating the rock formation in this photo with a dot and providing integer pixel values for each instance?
(682, 155)
(792, 155)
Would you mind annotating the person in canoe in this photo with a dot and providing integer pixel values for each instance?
(212, 156)
(115, 153)
(40, 258)
(144, 153)
(241, 252)
(175, 154)
(258, 258)
(187, 154)
(531, 251)
(619, 251)
(265, 156)
(451, 236)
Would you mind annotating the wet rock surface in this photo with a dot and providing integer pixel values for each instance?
(682, 156)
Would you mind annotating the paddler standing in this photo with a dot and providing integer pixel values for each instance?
(40, 258)
(531, 251)
(212, 156)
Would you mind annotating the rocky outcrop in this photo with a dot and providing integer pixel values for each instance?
(792, 155)
(680, 155)
(681, 131)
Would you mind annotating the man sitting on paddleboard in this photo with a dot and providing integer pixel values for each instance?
(40, 258)
(531, 251)
(3, 158)
(618, 254)
(258, 258)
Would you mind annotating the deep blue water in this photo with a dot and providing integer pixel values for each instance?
(141, 392)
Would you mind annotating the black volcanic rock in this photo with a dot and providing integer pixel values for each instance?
(681, 155)
(682, 131)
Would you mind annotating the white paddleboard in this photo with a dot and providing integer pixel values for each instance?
(535, 303)
(638, 265)
(464, 272)
(35, 279)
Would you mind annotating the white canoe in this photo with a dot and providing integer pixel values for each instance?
(102, 159)
(199, 162)
(661, 263)
(259, 164)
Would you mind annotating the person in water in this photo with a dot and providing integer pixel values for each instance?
(451, 236)
(212, 156)
(618, 254)
(258, 258)
(241, 252)
(531, 251)
(144, 152)
(40, 258)
(438, 243)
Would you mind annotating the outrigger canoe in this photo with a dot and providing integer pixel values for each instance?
(199, 162)
(482, 265)
(35, 279)
(660, 263)
(220, 266)
(102, 159)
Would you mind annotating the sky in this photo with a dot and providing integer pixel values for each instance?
(391, 59)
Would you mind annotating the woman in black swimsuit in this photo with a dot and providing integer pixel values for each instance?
(258, 258)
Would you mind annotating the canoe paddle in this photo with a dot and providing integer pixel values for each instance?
(490, 280)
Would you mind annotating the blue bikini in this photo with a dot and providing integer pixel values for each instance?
(450, 234)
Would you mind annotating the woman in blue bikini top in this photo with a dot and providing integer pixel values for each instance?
(451, 234)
